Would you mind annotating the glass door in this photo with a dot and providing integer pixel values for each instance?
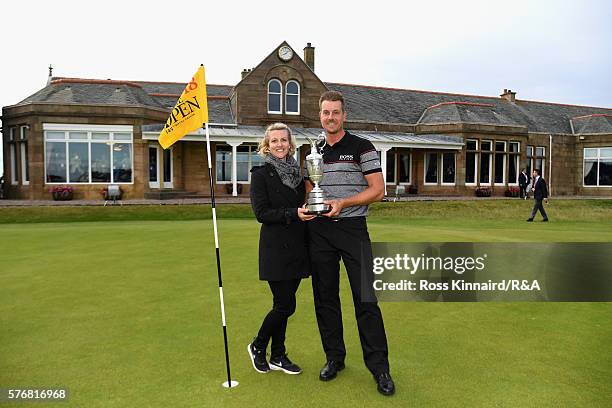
(153, 170)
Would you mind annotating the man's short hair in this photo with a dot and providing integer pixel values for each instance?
(331, 96)
(538, 171)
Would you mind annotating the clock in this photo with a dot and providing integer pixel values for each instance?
(285, 53)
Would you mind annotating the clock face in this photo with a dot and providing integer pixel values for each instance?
(285, 53)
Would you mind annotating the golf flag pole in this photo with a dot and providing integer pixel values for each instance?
(189, 114)
(229, 383)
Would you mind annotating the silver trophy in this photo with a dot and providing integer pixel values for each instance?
(314, 163)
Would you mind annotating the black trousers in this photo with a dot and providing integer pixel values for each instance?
(522, 191)
(331, 241)
(274, 325)
(538, 206)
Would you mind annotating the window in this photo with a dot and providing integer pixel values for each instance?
(537, 160)
(292, 98)
(25, 171)
(440, 168)
(398, 166)
(471, 161)
(500, 163)
(391, 167)
(485, 162)
(274, 96)
(404, 161)
(513, 162)
(88, 156)
(100, 163)
(246, 158)
(529, 160)
(431, 168)
(597, 168)
(448, 168)
(78, 159)
(12, 134)
(13, 159)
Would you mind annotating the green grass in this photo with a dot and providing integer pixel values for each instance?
(125, 314)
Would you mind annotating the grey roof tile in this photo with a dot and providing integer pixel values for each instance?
(372, 104)
(592, 124)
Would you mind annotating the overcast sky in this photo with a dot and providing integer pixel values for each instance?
(557, 51)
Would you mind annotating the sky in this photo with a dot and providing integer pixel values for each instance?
(555, 51)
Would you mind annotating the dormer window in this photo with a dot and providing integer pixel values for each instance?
(292, 98)
(275, 89)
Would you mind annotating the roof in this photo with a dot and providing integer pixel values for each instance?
(364, 104)
(389, 105)
(597, 123)
(160, 95)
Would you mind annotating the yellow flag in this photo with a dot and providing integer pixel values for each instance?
(189, 113)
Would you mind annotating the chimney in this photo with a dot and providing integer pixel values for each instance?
(50, 74)
(245, 72)
(508, 95)
(309, 56)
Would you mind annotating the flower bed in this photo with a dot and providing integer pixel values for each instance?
(62, 193)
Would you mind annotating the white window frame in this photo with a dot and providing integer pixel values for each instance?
(22, 131)
(13, 159)
(12, 131)
(425, 182)
(597, 160)
(299, 92)
(516, 157)
(409, 182)
(24, 173)
(89, 129)
(441, 160)
(280, 94)
(476, 161)
(503, 154)
(490, 153)
(389, 183)
(153, 184)
(252, 151)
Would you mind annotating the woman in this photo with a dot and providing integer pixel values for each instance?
(277, 196)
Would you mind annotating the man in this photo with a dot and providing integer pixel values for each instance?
(523, 183)
(540, 192)
(352, 179)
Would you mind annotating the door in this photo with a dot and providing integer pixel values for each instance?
(155, 175)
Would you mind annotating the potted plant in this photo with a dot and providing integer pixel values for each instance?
(62, 193)
(512, 192)
(483, 192)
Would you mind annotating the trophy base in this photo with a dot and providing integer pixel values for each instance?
(318, 209)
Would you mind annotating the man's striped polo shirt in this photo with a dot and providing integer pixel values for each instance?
(345, 165)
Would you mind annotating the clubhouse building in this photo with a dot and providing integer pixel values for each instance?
(91, 133)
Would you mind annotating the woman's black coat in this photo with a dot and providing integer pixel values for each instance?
(283, 252)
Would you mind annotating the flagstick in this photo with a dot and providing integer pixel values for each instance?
(229, 383)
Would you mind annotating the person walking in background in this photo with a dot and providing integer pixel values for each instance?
(540, 193)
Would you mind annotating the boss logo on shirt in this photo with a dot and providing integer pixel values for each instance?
(346, 157)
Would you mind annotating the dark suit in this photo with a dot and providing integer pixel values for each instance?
(540, 192)
(523, 182)
(283, 253)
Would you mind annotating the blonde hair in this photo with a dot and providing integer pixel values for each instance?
(264, 144)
